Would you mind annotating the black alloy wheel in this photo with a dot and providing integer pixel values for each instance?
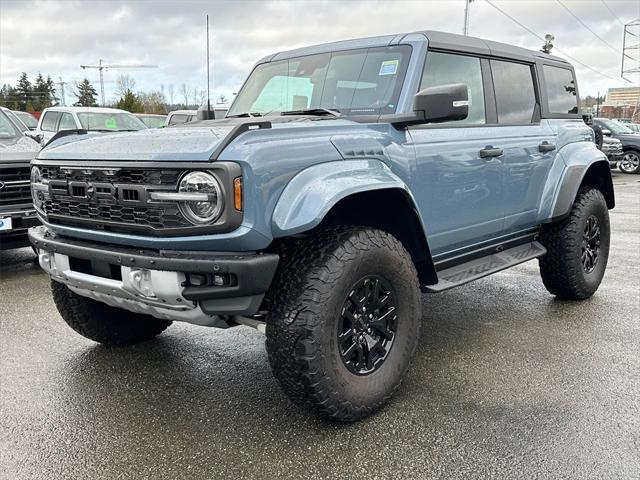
(367, 326)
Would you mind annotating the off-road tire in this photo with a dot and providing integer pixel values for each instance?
(561, 268)
(102, 323)
(308, 295)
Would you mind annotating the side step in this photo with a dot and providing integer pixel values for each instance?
(481, 267)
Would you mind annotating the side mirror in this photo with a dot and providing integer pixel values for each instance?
(443, 103)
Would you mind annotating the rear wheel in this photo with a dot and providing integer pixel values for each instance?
(577, 248)
(345, 321)
(630, 162)
(102, 323)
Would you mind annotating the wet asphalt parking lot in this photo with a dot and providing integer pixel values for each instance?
(508, 383)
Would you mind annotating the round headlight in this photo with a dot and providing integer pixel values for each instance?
(205, 211)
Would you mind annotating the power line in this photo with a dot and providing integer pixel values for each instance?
(588, 28)
(557, 49)
(612, 12)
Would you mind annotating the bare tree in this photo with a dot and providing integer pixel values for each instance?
(171, 91)
(196, 96)
(185, 91)
(124, 83)
(154, 102)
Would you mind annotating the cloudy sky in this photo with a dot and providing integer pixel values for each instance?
(55, 37)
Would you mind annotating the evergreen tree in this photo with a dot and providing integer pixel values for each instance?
(130, 102)
(40, 94)
(24, 91)
(86, 94)
(51, 90)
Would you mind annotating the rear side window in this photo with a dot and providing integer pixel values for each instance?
(561, 90)
(515, 95)
(446, 68)
(66, 122)
(49, 121)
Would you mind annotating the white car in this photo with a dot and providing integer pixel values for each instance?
(91, 119)
(178, 117)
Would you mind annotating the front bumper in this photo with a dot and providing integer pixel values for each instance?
(195, 287)
(21, 220)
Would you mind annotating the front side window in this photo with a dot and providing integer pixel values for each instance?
(515, 95)
(49, 121)
(67, 122)
(354, 82)
(447, 68)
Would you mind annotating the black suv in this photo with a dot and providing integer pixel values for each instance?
(630, 162)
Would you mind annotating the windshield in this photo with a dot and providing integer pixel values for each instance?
(153, 121)
(16, 121)
(7, 129)
(28, 119)
(615, 127)
(354, 82)
(111, 122)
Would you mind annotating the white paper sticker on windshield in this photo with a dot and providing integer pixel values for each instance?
(389, 67)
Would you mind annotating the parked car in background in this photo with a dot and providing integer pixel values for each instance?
(630, 162)
(91, 119)
(345, 179)
(612, 148)
(633, 126)
(152, 120)
(16, 208)
(29, 120)
(178, 117)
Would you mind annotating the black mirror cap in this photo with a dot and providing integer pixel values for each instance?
(443, 103)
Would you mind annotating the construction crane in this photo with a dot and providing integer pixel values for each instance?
(101, 67)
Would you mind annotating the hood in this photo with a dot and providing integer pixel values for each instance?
(18, 149)
(190, 142)
(170, 144)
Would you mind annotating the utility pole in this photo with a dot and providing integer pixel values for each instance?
(208, 77)
(62, 84)
(631, 46)
(101, 67)
(465, 29)
(598, 105)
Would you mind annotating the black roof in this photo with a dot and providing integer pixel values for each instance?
(451, 41)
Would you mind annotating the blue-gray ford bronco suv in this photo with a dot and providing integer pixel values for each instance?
(346, 179)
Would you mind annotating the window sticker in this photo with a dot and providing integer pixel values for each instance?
(110, 123)
(389, 67)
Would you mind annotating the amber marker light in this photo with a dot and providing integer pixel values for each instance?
(237, 193)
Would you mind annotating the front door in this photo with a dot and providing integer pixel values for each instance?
(458, 178)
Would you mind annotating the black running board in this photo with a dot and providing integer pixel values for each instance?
(481, 267)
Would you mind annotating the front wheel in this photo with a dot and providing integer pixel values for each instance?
(577, 248)
(630, 162)
(345, 321)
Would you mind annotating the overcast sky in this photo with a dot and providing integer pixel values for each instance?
(55, 37)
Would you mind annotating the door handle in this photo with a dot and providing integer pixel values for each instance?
(490, 152)
(546, 147)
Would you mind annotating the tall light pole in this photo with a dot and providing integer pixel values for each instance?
(208, 89)
(465, 29)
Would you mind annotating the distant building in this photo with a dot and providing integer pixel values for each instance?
(622, 103)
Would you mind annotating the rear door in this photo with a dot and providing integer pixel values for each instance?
(528, 144)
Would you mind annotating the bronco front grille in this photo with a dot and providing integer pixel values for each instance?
(113, 199)
(14, 185)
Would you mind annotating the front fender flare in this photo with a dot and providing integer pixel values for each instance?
(314, 191)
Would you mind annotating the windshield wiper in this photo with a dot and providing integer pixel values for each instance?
(313, 111)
